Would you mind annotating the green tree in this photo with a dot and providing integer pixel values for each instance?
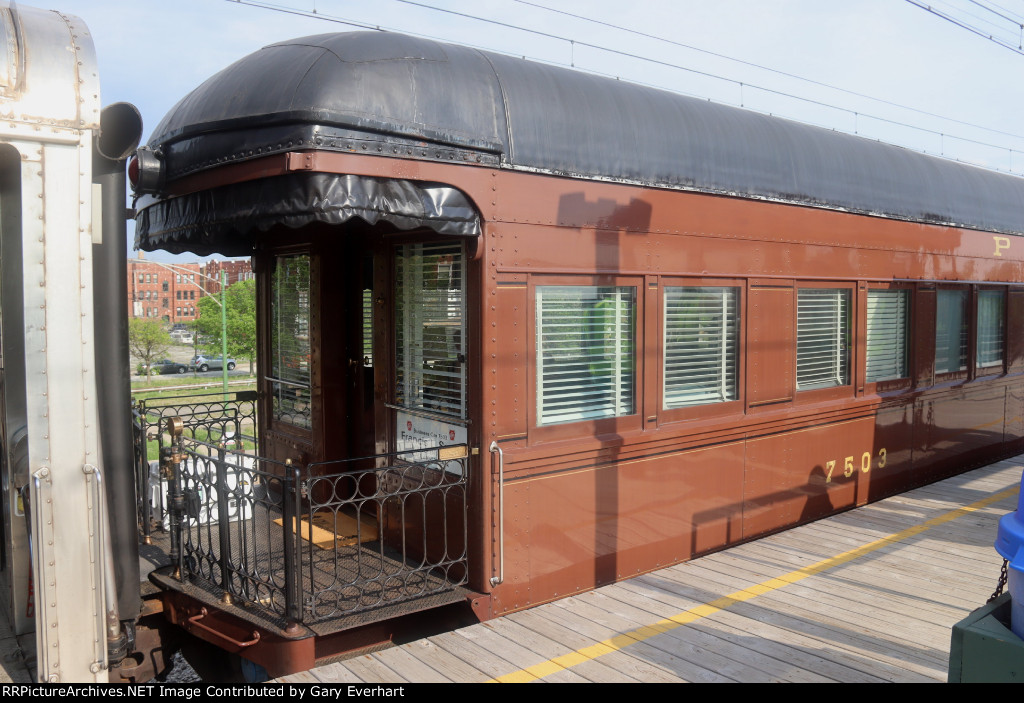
(241, 305)
(147, 340)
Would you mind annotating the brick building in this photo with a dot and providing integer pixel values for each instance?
(237, 270)
(159, 292)
(171, 292)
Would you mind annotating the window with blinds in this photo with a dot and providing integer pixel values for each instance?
(289, 340)
(585, 352)
(887, 334)
(367, 327)
(430, 316)
(701, 336)
(991, 328)
(950, 331)
(822, 338)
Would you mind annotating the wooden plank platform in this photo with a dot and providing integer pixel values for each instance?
(869, 595)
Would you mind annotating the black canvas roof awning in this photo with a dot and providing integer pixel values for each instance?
(222, 220)
(382, 93)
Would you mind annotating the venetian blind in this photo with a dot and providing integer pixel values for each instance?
(822, 338)
(367, 327)
(289, 340)
(991, 328)
(887, 334)
(950, 331)
(585, 352)
(701, 332)
(430, 315)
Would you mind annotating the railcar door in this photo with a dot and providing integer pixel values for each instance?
(287, 359)
(428, 409)
(318, 345)
(365, 382)
(430, 345)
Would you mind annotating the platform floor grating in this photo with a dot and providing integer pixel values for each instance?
(345, 583)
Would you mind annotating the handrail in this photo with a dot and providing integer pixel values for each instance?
(195, 622)
(495, 580)
(105, 572)
(46, 650)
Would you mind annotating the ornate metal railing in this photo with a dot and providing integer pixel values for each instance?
(397, 524)
(317, 543)
(228, 516)
(206, 417)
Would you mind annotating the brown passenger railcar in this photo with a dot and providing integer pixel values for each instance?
(659, 326)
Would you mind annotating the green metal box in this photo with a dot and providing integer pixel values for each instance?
(983, 649)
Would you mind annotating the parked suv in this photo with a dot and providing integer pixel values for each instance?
(206, 363)
(165, 366)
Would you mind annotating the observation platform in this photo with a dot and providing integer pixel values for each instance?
(869, 595)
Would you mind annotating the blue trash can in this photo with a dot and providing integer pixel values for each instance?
(1010, 545)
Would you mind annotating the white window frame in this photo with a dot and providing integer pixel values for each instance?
(887, 338)
(700, 339)
(290, 316)
(947, 337)
(598, 365)
(823, 324)
(990, 338)
(430, 368)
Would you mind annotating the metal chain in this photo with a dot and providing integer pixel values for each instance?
(1000, 584)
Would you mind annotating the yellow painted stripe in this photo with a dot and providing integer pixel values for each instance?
(645, 632)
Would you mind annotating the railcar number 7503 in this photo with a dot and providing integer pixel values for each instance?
(848, 465)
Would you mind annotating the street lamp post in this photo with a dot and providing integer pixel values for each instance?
(223, 303)
(224, 329)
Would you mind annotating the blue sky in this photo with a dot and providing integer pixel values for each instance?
(152, 52)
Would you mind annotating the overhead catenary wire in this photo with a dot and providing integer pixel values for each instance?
(769, 69)
(576, 42)
(983, 20)
(1018, 21)
(999, 12)
(1017, 16)
(308, 13)
(573, 43)
(964, 25)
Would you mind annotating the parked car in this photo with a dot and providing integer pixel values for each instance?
(206, 363)
(166, 366)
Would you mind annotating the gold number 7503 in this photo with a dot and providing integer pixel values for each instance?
(848, 464)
